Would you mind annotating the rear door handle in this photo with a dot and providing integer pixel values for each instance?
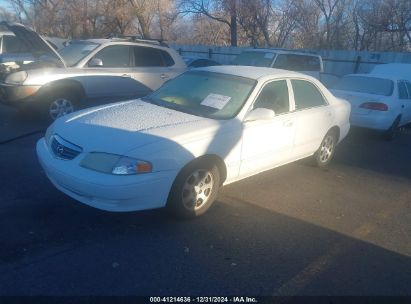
(126, 75)
(163, 76)
(288, 123)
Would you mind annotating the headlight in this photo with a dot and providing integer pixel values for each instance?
(49, 133)
(115, 164)
(16, 78)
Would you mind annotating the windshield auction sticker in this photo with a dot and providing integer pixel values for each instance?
(216, 101)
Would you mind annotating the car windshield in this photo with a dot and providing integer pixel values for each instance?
(206, 94)
(364, 84)
(258, 59)
(76, 51)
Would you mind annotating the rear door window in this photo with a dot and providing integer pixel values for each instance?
(306, 95)
(148, 57)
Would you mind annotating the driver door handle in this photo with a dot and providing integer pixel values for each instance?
(288, 123)
(163, 76)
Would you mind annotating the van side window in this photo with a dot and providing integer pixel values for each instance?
(274, 96)
(402, 90)
(306, 95)
(409, 88)
(295, 62)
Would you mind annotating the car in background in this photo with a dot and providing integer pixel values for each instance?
(378, 101)
(198, 62)
(403, 69)
(329, 80)
(205, 128)
(307, 63)
(86, 72)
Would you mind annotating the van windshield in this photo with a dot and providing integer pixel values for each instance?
(296, 62)
(258, 59)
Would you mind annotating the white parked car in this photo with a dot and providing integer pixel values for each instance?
(378, 101)
(206, 128)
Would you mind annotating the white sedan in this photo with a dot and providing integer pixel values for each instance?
(378, 101)
(206, 128)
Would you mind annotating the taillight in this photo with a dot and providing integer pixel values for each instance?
(378, 106)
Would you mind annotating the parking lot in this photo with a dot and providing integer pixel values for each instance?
(295, 230)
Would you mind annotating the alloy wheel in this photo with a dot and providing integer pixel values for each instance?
(326, 149)
(60, 107)
(197, 189)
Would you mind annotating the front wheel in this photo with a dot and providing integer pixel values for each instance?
(194, 190)
(60, 106)
(325, 153)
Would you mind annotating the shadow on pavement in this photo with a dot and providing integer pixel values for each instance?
(56, 246)
(14, 125)
(368, 150)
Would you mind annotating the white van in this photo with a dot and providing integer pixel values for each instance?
(306, 63)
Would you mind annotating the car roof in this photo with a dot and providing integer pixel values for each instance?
(281, 51)
(252, 72)
(378, 75)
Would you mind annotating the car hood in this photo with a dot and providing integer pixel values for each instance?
(121, 127)
(39, 52)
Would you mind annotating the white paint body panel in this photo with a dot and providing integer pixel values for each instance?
(170, 140)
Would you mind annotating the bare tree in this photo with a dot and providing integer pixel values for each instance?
(223, 11)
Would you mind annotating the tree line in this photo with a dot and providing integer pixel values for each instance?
(374, 25)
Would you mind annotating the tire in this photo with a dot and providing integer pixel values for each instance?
(194, 190)
(325, 152)
(392, 131)
(58, 105)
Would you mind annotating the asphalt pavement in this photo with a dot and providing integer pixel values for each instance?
(295, 230)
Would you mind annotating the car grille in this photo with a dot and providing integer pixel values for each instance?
(63, 149)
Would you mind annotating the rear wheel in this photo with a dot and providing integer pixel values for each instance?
(194, 190)
(392, 131)
(326, 151)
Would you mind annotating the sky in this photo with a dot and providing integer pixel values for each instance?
(4, 4)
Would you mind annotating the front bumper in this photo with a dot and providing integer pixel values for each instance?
(105, 191)
(17, 95)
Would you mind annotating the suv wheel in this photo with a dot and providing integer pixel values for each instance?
(59, 105)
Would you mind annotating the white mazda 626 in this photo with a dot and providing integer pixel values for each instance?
(204, 129)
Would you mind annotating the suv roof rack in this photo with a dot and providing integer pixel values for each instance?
(139, 39)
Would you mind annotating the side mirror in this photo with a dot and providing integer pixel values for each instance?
(259, 114)
(95, 62)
